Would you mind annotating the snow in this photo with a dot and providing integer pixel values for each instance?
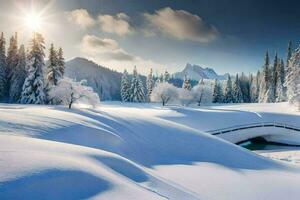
(134, 151)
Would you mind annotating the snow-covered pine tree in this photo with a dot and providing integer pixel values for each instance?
(34, 86)
(149, 84)
(18, 77)
(253, 89)
(218, 93)
(292, 81)
(61, 62)
(266, 91)
(3, 80)
(275, 77)
(186, 83)
(125, 87)
(237, 92)
(258, 82)
(137, 89)
(289, 52)
(53, 73)
(11, 60)
(166, 76)
(228, 91)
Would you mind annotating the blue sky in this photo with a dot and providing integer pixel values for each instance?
(229, 36)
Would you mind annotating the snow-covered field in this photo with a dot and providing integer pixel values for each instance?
(139, 151)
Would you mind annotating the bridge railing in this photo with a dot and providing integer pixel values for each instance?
(253, 125)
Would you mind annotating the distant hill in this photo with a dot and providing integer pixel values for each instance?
(104, 81)
(197, 73)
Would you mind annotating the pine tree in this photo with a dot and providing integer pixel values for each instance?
(137, 88)
(245, 88)
(12, 61)
(228, 91)
(218, 93)
(3, 80)
(253, 89)
(289, 52)
(149, 84)
(33, 88)
(61, 62)
(125, 87)
(166, 78)
(186, 84)
(292, 81)
(237, 92)
(53, 73)
(18, 77)
(258, 82)
(266, 93)
(276, 72)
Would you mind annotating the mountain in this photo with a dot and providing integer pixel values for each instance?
(197, 73)
(104, 81)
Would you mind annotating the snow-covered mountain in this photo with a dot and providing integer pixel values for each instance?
(196, 72)
(104, 81)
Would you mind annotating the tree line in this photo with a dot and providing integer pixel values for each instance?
(275, 82)
(26, 78)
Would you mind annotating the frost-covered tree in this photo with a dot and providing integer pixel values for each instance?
(33, 91)
(218, 92)
(53, 73)
(186, 83)
(289, 52)
(237, 92)
(149, 84)
(3, 80)
(67, 92)
(167, 76)
(125, 87)
(276, 74)
(266, 93)
(61, 62)
(228, 96)
(292, 81)
(253, 88)
(245, 87)
(164, 93)
(202, 93)
(18, 77)
(137, 93)
(11, 60)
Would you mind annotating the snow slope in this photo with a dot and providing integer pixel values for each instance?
(130, 151)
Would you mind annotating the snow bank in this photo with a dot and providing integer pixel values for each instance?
(131, 151)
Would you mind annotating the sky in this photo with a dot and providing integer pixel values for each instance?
(228, 36)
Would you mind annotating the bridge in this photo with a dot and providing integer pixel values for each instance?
(270, 131)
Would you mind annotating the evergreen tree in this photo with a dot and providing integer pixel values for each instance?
(53, 73)
(11, 60)
(125, 87)
(228, 91)
(276, 73)
(245, 88)
(61, 62)
(137, 88)
(218, 92)
(33, 88)
(266, 91)
(253, 89)
(3, 80)
(289, 52)
(237, 92)
(166, 77)
(18, 77)
(292, 81)
(186, 84)
(258, 82)
(149, 84)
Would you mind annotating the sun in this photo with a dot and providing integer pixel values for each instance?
(33, 21)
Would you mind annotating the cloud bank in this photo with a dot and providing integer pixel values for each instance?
(181, 25)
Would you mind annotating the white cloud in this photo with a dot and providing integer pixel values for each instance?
(181, 25)
(80, 17)
(107, 52)
(118, 24)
